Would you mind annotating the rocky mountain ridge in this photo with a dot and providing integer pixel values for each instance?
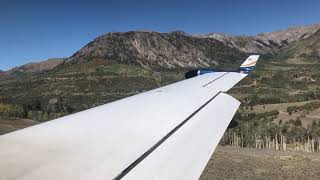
(264, 43)
(153, 50)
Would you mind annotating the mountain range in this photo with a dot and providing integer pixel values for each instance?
(153, 50)
(266, 42)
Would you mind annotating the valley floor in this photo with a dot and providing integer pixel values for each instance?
(248, 163)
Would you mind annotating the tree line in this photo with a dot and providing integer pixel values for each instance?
(261, 132)
(37, 110)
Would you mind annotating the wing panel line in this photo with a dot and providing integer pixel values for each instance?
(215, 79)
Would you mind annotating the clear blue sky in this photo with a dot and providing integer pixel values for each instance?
(35, 30)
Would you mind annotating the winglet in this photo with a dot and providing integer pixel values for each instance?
(249, 64)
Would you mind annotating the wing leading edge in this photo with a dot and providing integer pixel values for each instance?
(150, 131)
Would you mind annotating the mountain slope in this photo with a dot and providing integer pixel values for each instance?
(153, 50)
(306, 50)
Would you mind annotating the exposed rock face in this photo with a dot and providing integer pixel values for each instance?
(306, 49)
(265, 42)
(37, 67)
(154, 50)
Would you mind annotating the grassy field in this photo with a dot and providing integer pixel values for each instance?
(306, 118)
(230, 163)
(280, 107)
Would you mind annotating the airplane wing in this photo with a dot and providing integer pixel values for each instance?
(166, 133)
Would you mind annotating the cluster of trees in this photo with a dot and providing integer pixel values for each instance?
(36, 110)
(9, 110)
(259, 131)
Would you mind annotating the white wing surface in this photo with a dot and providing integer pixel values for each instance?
(166, 133)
